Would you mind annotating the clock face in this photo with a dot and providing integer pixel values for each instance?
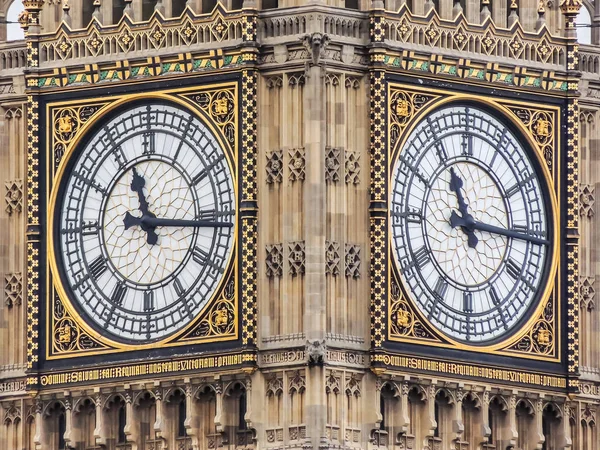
(469, 224)
(146, 225)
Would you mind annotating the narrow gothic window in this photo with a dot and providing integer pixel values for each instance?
(243, 406)
(62, 428)
(117, 10)
(122, 420)
(182, 417)
(382, 411)
(436, 415)
(352, 4)
(270, 4)
(236, 4)
(87, 11)
(208, 6)
(147, 8)
(178, 7)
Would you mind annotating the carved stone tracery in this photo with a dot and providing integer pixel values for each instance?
(13, 289)
(14, 196)
(274, 260)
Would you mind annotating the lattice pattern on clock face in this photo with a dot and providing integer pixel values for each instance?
(133, 280)
(170, 196)
(469, 224)
(449, 246)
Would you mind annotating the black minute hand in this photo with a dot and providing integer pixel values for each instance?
(151, 221)
(471, 224)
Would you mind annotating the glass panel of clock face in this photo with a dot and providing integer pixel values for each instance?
(469, 224)
(146, 223)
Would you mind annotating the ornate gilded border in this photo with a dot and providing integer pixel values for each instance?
(67, 334)
(541, 337)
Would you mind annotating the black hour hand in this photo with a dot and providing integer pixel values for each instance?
(132, 221)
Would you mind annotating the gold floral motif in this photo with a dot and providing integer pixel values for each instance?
(220, 105)
(404, 322)
(540, 125)
(66, 123)
(540, 337)
(67, 335)
(404, 105)
(221, 317)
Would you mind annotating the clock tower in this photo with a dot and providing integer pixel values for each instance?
(299, 225)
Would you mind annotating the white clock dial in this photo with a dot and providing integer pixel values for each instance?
(146, 226)
(469, 224)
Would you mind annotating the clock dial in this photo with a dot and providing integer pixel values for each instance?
(146, 225)
(469, 224)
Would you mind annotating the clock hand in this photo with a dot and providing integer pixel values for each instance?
(137, 185)
(153, 222)
(456, 184)
(471, 224)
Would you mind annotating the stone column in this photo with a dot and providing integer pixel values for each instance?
(192, 420)
(100, 430)
(314, 228)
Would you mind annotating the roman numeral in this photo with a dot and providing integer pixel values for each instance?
(467, 302)
(441, 287)
(467, 145)
(440, 150)
(118, 294)
(204, 172)
(410, 216)
(149, 143)
(98, 267)
(148, 301)
(179, 290)
(494, 296)
(513, 269)
(421, 257)
(203, 258)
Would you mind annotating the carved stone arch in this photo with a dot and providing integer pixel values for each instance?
(588, 416)
(419, 390)
(145, 394)
(12, 415)
(501, 401)
(233, 385)
(274, 385)
(205, 389)
(447, 394)
(112, 399)
(527, 404)
(172, 392)
(474, 397)
(554, 408)
(80, 402)
(393, 387)
(52, 406)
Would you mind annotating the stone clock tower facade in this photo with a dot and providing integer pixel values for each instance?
(299, 225)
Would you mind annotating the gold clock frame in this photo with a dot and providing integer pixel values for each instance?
(407, 107)
(225, 298)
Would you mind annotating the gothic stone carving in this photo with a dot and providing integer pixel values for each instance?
(332, 164)
(14, 196)
(13, 289)
(315, 44)
(587, 292)
(274, 260)
(274, 167)
(316, 352)
(587, 198)
(352, 168)
(352, 260)
(297, 257)
(332, 258)
(297, 164)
